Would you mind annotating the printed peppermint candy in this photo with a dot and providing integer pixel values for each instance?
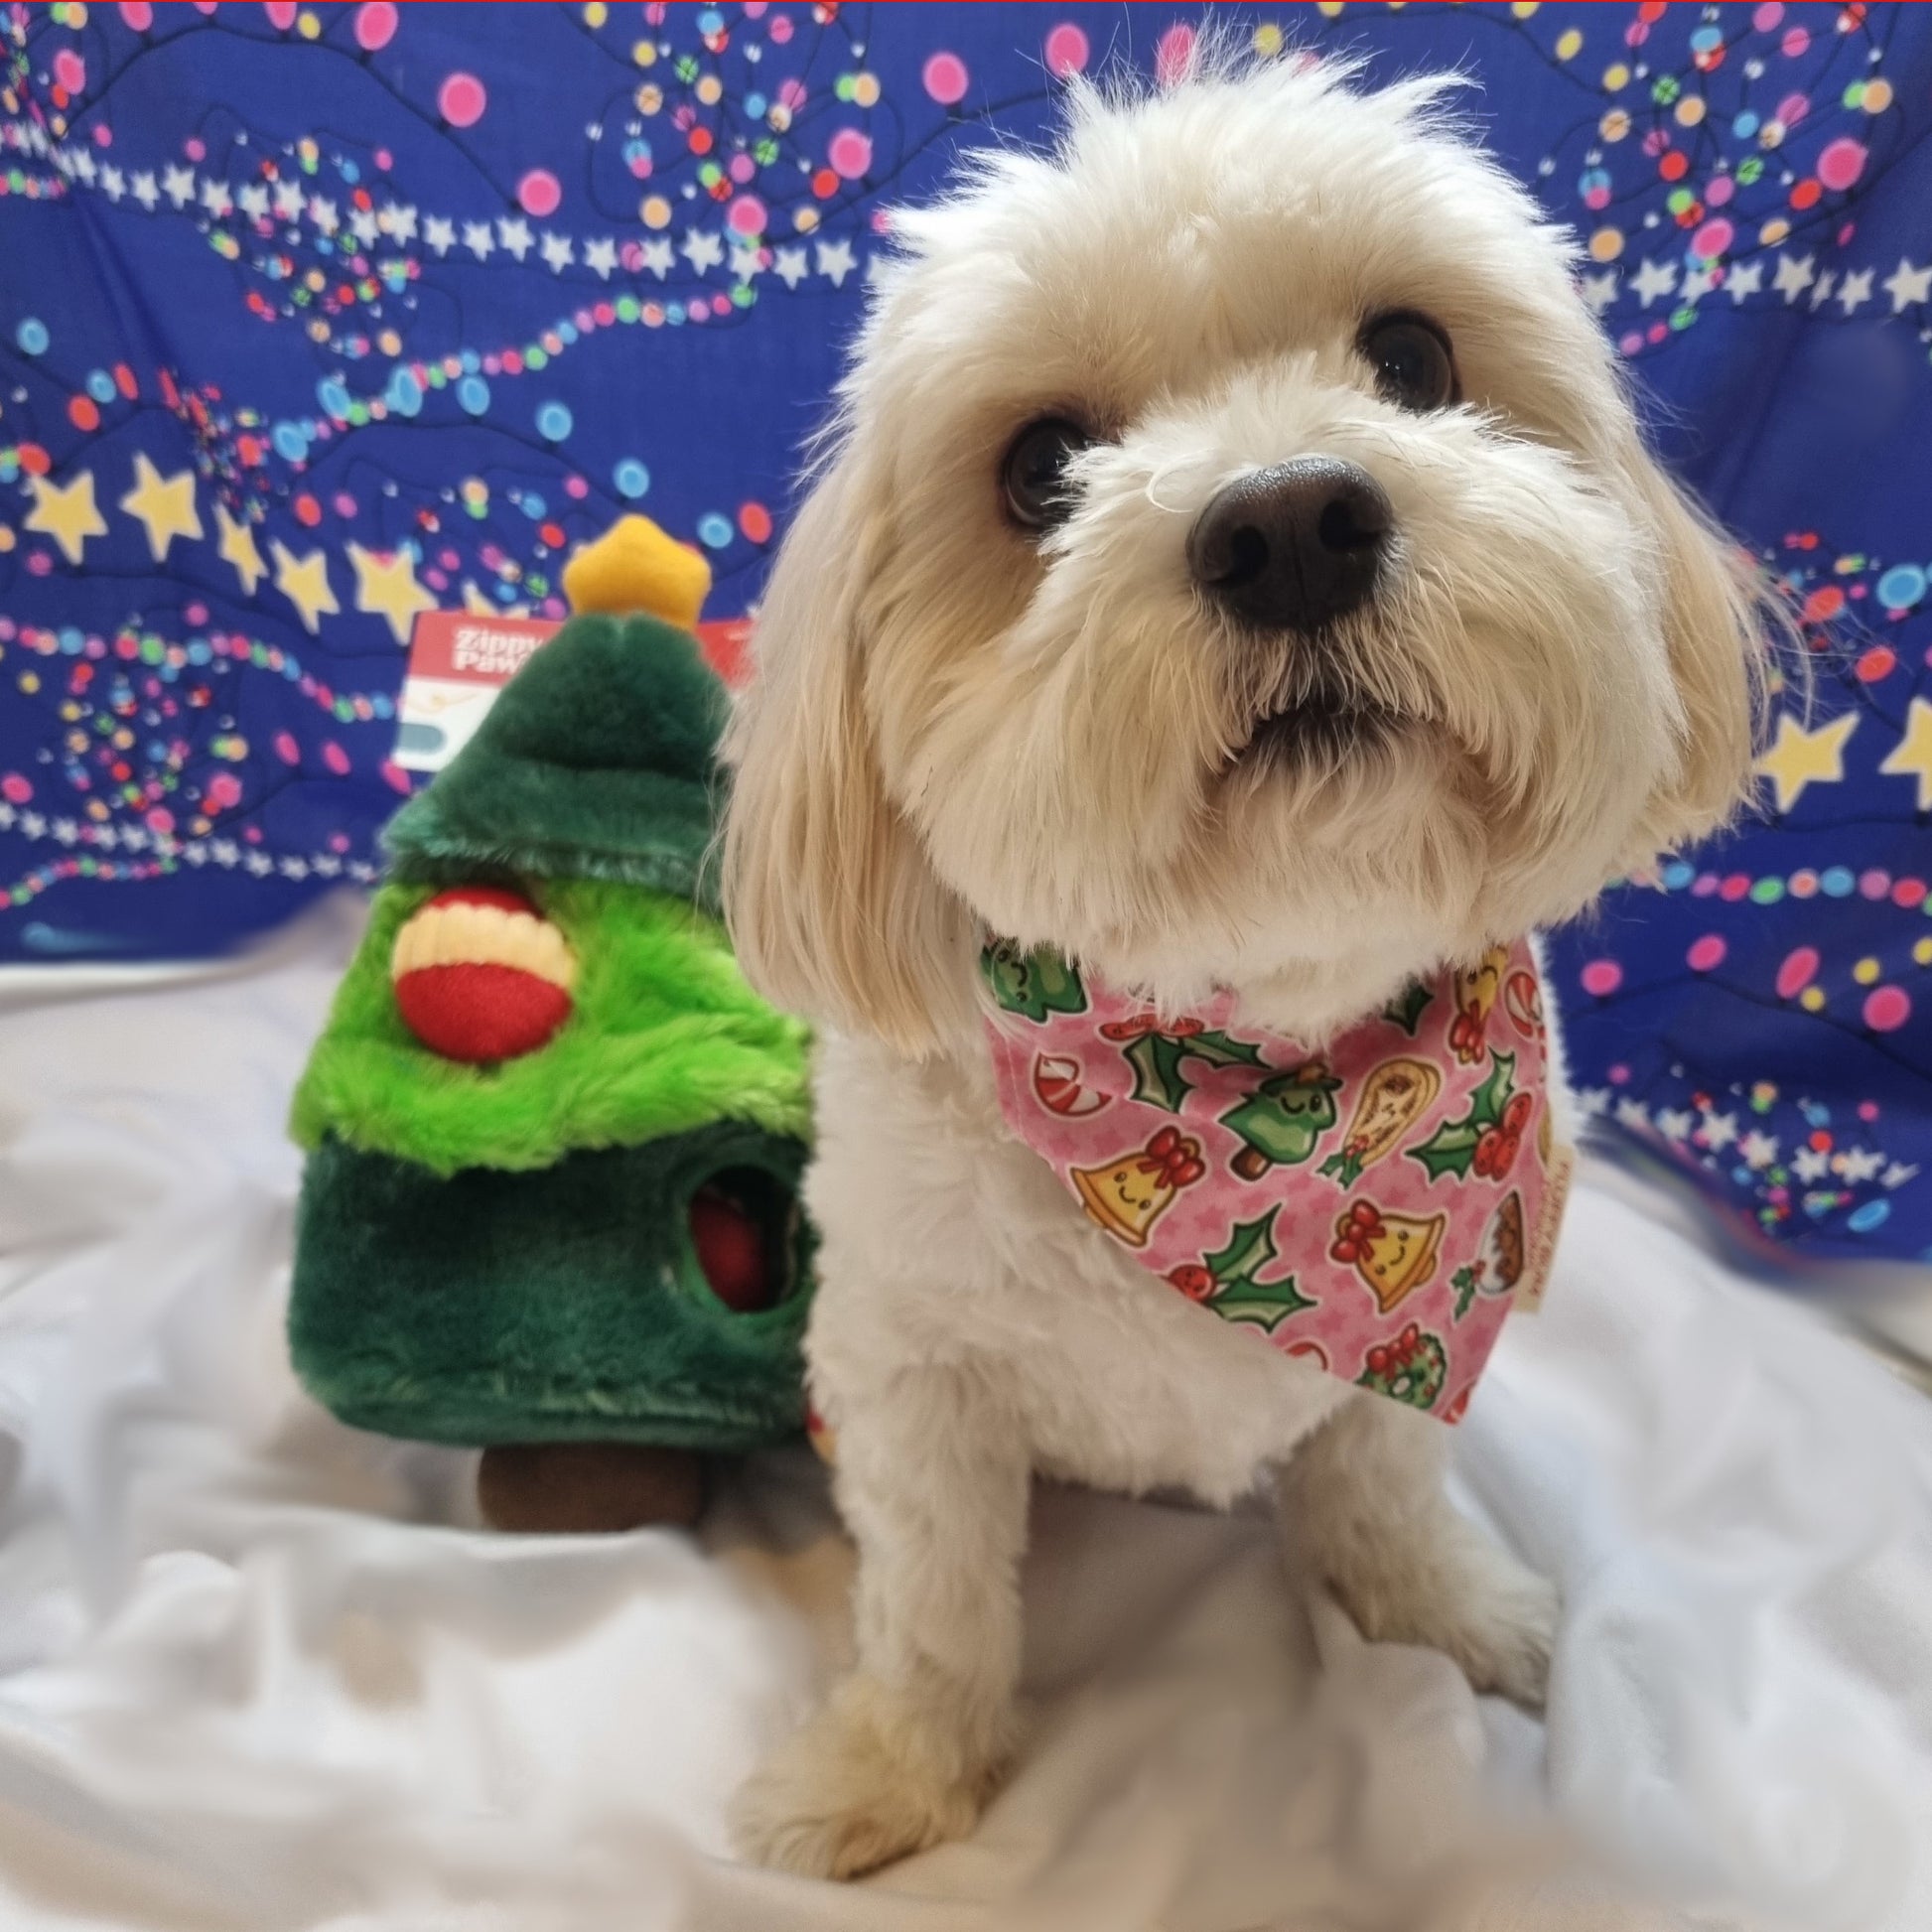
(1228, 1278)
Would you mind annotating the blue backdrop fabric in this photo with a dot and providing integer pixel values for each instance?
(312, 316)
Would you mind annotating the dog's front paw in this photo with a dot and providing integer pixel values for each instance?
(867, 1782)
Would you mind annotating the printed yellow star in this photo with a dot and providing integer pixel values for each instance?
(237, 547)
(1912, 756)
(1799, 757)
(303, 582)
(66, 515)
(163, 506)
(388, 584)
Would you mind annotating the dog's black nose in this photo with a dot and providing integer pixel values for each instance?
(1294, 545)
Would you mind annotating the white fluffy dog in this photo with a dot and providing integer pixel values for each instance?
(1470, 656)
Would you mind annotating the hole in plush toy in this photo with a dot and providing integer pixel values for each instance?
(743, 1227)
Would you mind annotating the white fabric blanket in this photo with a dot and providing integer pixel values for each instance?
(258, 1671)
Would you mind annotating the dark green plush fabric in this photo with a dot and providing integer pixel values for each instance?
(560, 1305)
(597, 760)
(664, 1035)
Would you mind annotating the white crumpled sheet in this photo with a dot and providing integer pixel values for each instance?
(258, 1671)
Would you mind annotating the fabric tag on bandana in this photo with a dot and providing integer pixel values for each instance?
(1374, 1209)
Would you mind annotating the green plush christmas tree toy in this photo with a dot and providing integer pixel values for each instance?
(554, 1139)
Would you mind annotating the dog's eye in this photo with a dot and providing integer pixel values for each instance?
(1413, 368)
(1035, 473)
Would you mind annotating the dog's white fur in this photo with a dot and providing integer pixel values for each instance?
(955, 730)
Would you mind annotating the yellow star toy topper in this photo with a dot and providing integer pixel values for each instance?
(237, 547)
(304, 580)
(70, 516)
(1799, 757)
(636, 566)
(387, 584)
(1911, 757)
(163, 506)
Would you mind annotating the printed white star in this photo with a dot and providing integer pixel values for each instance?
(145, 192)
(260, 864)
(1906, 285)
(1598, 291)
(83, 165)
(1674, 1124)
(178, 186)
(478, 239)
(1592, 1102)
(440, 233)
(1720, 1130)
(217, 198)
(658, 256)
(748, 260)
(401, 221)
(600, 257)
(253, 200)
(1820, 288)
(701, 249)
(1810, 1165)
(835, 260)
(1898, 1173)
(7, 816)
(1744, 278)
(66, 830)
(1758, 1149)
(514, 233)
(293, 868)
(225, 852)
(362, 226)
(106, 837)
(32, 825)
(1630, 1113)
(1854, 290)
(322, 213)
(325, 865)
(1698, 284)
(1859, 1164)
(361, 871)
(789, 267)
(288, 200)
(557, 252)
(1793, 277)
(1654, 279)
(194, 852)
(113, 184)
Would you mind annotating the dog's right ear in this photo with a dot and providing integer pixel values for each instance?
(832, 908)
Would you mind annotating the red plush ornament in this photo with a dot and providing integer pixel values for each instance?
(731, 1249)
(481, 975)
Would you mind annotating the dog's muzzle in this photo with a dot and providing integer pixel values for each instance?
(1293, 546)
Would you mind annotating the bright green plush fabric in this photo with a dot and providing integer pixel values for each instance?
(596, 760)
(666, 1036)
(561, 1306)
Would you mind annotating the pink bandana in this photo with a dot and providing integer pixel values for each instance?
(1377, 1207)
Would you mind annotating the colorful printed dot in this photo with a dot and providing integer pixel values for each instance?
(1875, 882)
(69, 71)
(1836, 881)
(1812, 999)
(1800, 968)
(1886, 1008)
(630, 477)
(1840, 163)
(1922, 952)
(1871, 1214)
(1909, 892)
(850, 153)
(1901, 587)
(554, 422)
(1877, 662)
(1713, 239)
(1706, 953)
(713, 531)
(754, 523)
(461, 99)
(84, 413)
(539, 193)
(15, 789)
(287, 749)
(1570, 43)
(375, 25)
(1866, 972)
(1600, 978)
(31, 336)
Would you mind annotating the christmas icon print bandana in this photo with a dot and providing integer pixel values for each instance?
(1376, 1207)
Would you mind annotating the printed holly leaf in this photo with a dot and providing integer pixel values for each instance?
(1464, 1280)
(1265, 1304)
(1452, 1145)
(1238, 1297)
(1406, 1009)
(1033, 984)
(1157, 1060)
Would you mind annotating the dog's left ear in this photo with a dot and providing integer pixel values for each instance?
(1720, 615)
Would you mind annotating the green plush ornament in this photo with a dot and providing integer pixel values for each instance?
(554, 1138)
